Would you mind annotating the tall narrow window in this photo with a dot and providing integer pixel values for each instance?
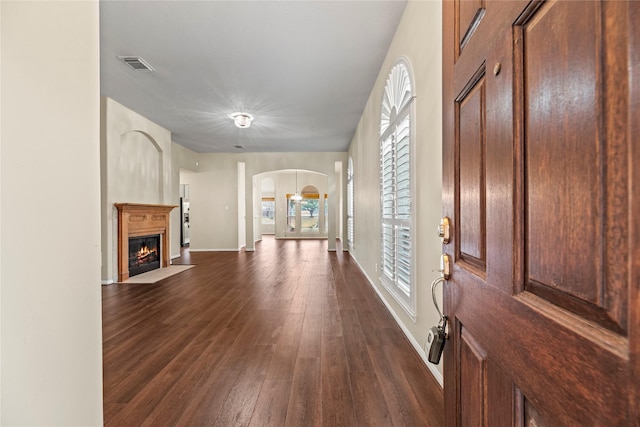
(350, 203)
(268, 210)
(326, 213)
(291, 213)
(396, 187)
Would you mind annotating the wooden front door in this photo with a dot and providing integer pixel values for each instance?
(542, 186)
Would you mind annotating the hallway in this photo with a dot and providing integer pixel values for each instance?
(290, 334)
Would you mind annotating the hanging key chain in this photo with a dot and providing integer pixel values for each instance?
(437, 334)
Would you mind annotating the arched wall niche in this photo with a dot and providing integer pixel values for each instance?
(140, 165)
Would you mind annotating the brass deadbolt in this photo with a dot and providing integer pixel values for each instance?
(443, 230)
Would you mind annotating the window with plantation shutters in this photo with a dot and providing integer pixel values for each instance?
(350, 203)
(396, 187)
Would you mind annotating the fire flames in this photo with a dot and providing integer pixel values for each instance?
(145, 255)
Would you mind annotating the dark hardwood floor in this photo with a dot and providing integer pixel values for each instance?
(289, 335)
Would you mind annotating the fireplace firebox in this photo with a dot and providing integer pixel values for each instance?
(144, 254)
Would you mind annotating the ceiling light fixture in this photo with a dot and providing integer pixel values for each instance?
(242, 120)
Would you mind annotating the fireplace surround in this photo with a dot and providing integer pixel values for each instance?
(136, 220)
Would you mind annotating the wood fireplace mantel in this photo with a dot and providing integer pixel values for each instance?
(141, 220)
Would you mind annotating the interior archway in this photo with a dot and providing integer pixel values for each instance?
(278, 204)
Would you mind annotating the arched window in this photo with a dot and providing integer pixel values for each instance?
(350, 203)
(396, 187)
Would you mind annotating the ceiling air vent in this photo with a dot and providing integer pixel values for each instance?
(136, 63)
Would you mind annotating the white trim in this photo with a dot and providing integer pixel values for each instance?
(175, 256)
(406, 111)
(214, 250)
(316, 237)
(107, 282)
(393, 291)
(423, 355)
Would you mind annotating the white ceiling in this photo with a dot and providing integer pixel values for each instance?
(304, 69)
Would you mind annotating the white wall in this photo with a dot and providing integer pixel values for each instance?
(419, 39)
(1, 223)
(136, 168)
(51, 352)
(213, 199)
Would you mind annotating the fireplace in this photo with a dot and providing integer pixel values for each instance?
(144, 254)
(139, 221)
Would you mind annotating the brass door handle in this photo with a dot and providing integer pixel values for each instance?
(443, 230)
(445, 267)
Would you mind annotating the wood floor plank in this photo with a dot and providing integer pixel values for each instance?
(192, 376)
(290, 334)
(241, 400)
(306, 392)
(311, 335)
(356, 350)
(398, 395)
(285, 354)
(273, 402)
(370, 405)
(207, 403)
(337, 401)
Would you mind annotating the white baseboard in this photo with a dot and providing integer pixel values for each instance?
(436, 374)
(214, 250)
(107, 282)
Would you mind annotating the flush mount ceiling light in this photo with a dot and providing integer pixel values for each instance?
(242, 120)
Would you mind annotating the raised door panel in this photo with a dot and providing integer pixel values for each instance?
(530, 415)
(469, 13)
(470, 194)
(571, 194)
(473, 384)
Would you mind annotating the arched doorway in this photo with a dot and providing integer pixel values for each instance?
(293, 203)
(307, 213)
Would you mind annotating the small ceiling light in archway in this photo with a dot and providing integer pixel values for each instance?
(296, 196)
(242, 120)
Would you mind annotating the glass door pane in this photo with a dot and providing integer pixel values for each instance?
(291, 215)
(326, 213)
(309, 213)
(268, 212)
